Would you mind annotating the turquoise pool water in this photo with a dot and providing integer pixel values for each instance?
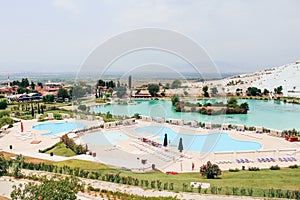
(106, 138)
(60, 127)
(270, 114)
(216, 142)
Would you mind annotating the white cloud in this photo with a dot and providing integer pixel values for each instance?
(68, 5)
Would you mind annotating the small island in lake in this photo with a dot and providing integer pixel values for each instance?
(218, 108)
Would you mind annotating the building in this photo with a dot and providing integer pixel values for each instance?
(141, 95)
(28, 97)
(50, 88)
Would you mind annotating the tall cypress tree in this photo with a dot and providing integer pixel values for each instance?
(180, 145)
(166, 140)
(39, 109)
(32, 111)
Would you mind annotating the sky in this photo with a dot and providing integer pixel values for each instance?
(58, 35)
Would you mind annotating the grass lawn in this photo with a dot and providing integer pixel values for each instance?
(284, 179)
(60, 149)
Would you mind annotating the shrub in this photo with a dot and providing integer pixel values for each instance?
(253, 169)
(82, 107)
(3, 104)
(210, 170)
(57, 116)
(293, 166)
(275, 167)
(234, 170)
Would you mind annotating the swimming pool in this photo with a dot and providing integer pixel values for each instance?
(215, 142)
(270, 114)
(59, 127)
(100, 138)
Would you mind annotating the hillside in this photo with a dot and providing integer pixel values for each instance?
(286, 76)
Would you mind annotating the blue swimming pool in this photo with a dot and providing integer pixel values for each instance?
(106, 138)
(215, 142)
(59, 127)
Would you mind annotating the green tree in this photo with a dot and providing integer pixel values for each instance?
(17, 165)
(167, 86)
(214, 91)
(40, 84)
(210, 170)
(278, 90)
(176, 84)
(100, 83)
(24, 82)
(77, 92)
(62, 188)
(22, 90)
(253, 91)
(62, 93)
(121, 91)
(266, 92)
(180, 145)
(205, 91)
(232, 102)
(6, 121)
(82, 107)
(244, 106)
(3, 165)
(32, 111)
(4, 113)
(153, 89)
(129, 82)
(175, 99)
(49, 98)
(39, 109)
(32, 85)
(42, 109)
(3, 104)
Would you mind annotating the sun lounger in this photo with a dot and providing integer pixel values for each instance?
(294, 159)
(259, 160)
(280, 159)
(246, 160)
